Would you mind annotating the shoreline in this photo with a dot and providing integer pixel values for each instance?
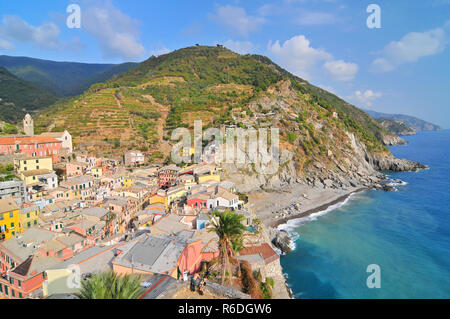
(318, 209)
(270, 227)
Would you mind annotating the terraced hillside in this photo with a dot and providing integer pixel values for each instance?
(106, 120)
(141, 107)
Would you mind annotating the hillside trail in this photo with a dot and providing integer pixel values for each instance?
(164, 110)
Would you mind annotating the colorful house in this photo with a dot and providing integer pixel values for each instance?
(159, 254)
(208, 178)
(9, 219)
(167, 176)
(198, 201)
(29, 216)
(97, 172)
(32, 164)
(25, 280)
(32, 146)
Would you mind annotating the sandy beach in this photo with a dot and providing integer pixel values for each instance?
(270, 207)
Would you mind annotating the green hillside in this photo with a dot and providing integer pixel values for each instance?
(141, 107)
(396, 126)
(61, 78)
(410, 121)
(18, 97)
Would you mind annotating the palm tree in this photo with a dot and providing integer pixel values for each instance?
(229, 228)
(109, 285)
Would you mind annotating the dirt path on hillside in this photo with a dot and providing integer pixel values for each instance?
(164, 110)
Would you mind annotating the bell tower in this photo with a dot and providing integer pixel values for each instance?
(28, 125)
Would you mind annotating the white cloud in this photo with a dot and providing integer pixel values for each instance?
(367, 97)
(45, 36)
(411, 48)
(341, 71)
(297, 55)
(316, 18)
(241, 47)
(6, 45)
(160, 51)
(237, 20)
(116, 33)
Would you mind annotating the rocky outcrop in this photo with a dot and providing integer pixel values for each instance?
(282, 241)
(392, 140)
(394, 164)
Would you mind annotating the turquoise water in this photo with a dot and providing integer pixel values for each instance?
(406, 233)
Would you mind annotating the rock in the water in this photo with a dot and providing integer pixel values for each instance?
(282, 241)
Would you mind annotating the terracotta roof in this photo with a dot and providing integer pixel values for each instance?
(28, 140)
(264, 250)
(7, 205)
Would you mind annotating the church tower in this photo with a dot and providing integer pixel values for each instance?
(28, 125)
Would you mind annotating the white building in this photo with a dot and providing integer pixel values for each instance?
(64, 137)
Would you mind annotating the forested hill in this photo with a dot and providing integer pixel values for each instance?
(18, 97)
(61, 78)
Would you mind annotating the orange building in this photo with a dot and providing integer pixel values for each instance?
(32, 146)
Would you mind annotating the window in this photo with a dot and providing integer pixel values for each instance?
(11, 215)
(28, 215)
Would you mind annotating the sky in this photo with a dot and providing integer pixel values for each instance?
(401, 66)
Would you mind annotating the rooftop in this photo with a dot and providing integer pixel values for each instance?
(7, 205)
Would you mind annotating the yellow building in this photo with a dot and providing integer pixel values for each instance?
(208, 177)
(56, 282)
(33, 163)
(97, 172)
(9, 218)
(127, 182)
(159, 199)
(28, 217)
(175, 193)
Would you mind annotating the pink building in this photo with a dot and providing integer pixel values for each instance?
(32, 146)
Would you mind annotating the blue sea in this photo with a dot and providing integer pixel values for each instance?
(406, 233)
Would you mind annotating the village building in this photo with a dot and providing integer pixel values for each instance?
(133, 158)
(35, 146)
(9, 219)
(167, 255)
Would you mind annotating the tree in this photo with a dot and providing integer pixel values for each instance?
(229, 228)
(109, 285)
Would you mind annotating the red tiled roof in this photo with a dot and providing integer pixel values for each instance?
(27, 140)
(264, 250)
